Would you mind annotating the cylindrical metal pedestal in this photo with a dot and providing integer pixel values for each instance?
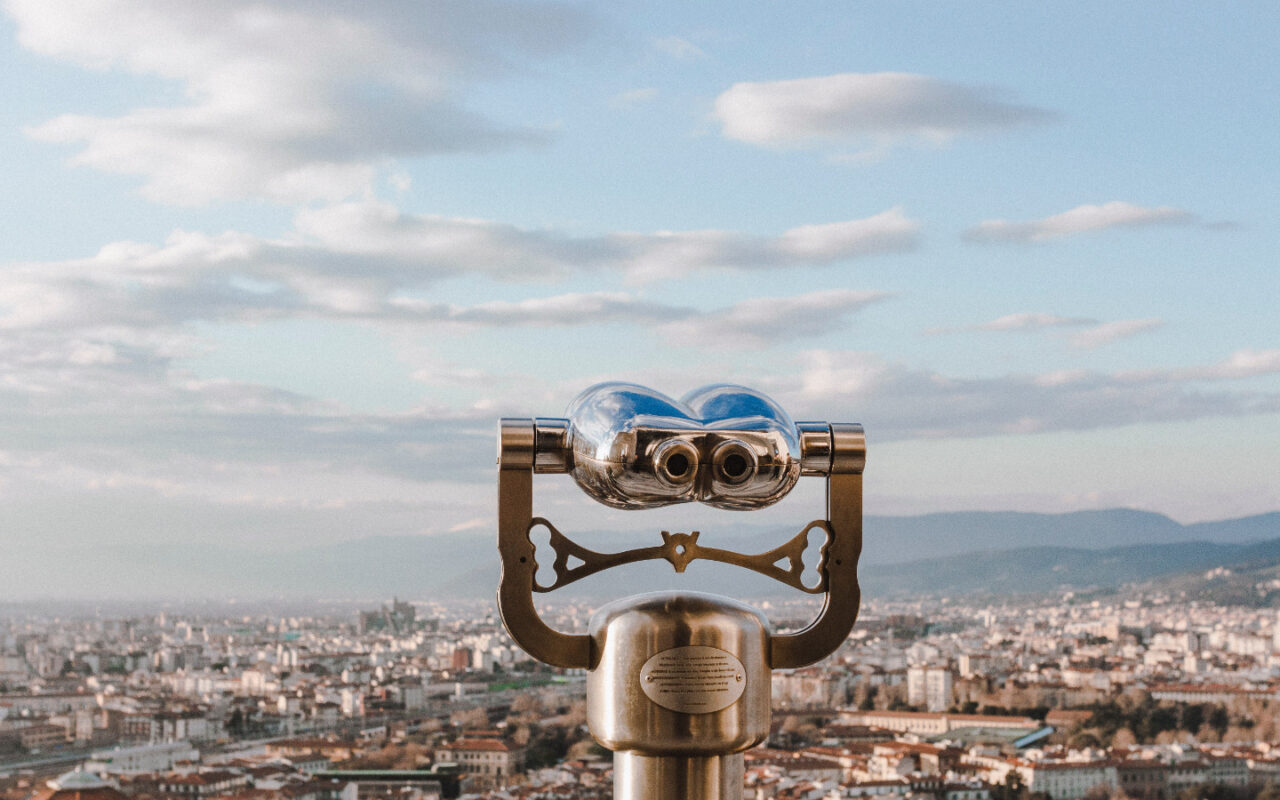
(678, 689)
(637, 777)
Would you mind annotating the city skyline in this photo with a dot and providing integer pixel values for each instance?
(271, 271)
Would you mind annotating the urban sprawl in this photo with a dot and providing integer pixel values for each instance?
(1149, 698)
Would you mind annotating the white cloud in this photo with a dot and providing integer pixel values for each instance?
(119, 422)
(575, 308)
(1027, 322)
(679, 48)
(1081, 219)
(1108, 332)
(756, 322)
(291, 101)
(1023, 322)
(899, 402)
(647, 257)
(362, 260)
(1241, 364)
(863, 108)
(764, 320)
(1095, 335)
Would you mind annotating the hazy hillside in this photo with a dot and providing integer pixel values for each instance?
(967, 552)
(900, 539)
(1040, 569)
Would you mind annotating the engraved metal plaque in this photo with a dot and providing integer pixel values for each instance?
(695, 679)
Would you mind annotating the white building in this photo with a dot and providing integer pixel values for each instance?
(1068, 780)
(930, 687)
(489, 757)
(145, 758)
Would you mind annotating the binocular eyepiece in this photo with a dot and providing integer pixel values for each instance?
(732, 462)
(730, 447)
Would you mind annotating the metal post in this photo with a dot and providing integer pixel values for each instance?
(637, 777)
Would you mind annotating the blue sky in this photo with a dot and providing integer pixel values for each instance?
(272, 270)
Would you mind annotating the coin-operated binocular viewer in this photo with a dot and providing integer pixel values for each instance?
(678, 682)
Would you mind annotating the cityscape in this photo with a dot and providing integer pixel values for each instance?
(274, 273)
(1146, 696)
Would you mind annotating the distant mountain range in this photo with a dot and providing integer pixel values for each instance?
(903, 539)
(995, 552)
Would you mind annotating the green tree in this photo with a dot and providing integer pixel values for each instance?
(1219, 720)
(869, 701)
(1192, 717)
(1158, 720)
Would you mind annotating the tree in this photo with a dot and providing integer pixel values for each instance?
(1211, 791)
(546, 748)
(867, 701)
(1099, 792)
(1012, 789)
(1219, 720)
(1160, 719)
(522, 735)
(472, 719)
(1270, 791)
(1123, 738)
(524, 704)
(1192, 717)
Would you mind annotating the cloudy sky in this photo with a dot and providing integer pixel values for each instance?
(271, 270)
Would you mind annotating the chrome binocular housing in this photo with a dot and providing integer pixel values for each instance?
(729, 447)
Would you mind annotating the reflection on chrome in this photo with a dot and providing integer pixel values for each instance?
(727, 446)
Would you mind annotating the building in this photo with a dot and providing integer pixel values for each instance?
(808, 688)
(145, 758)
(398, 618)
(41, 705)
(200, 785)
(79, 785)
(374, 784)
(929, 724)
(1068, 780)
(929, 687)
(487, 757)
(410, 786)
(1142, 778)
(40, 735)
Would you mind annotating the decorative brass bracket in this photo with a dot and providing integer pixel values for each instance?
(518, 449)
(680, 549)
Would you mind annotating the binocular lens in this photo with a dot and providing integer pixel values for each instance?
(734, 466)
(676, 463)
(735, 463)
